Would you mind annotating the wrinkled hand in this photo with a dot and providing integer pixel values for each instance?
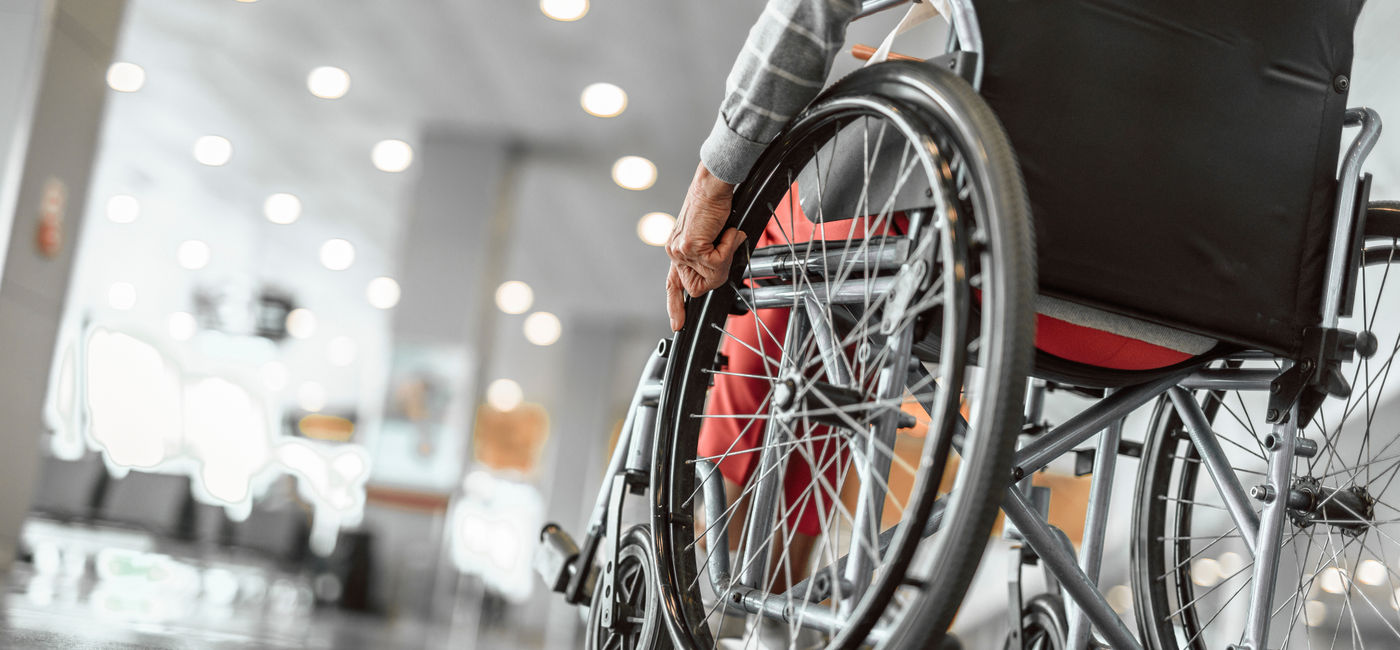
(697, 263)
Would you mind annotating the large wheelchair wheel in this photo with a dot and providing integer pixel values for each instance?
(891, 212)
(1339, 570)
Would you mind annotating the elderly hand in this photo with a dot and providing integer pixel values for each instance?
(697, 263)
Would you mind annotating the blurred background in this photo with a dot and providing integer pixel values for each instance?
(313, 311)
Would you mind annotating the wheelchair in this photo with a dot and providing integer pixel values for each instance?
(890, 307)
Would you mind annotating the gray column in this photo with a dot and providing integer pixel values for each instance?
(446, 254)
(58, 135)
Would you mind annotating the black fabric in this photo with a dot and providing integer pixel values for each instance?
(1180, 155)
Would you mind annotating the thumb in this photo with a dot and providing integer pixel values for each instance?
(730, 242)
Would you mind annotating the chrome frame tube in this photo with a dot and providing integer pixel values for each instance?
(1061, 563)
(1095, 523)
(875, 472)
(781, 260)
(1062, 439)
(1231, 379)
(965, 25)
(875, 6)
(648, 386)
(1218, 466)
(763, 508)
(1261, 593)
(848, 292)
(1340, 254)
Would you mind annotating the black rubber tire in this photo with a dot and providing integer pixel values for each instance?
(635, 554)
(946, 104)
(1043, 625)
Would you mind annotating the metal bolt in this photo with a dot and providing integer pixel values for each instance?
(1273, 415)
(1341, 83)
(1263, 493)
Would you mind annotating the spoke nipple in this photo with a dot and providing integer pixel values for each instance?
(1263, 493)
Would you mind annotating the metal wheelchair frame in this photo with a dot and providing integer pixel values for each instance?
(566, 567)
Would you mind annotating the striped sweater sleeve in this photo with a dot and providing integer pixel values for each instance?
(783, 65)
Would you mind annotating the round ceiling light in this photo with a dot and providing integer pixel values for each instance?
(564, 10)
(193, 254)
(121, 295)
(603, 100)
(655, 228)
(514, 297)
(123, 208)
(383, 293)
(182, 326)
(634, 172)
(391, 155)
(282, 208)
(504, 395)
(337, 254)
(213, 150)
(328, 82)
(126, 77)
(542, 328)
(301, 323)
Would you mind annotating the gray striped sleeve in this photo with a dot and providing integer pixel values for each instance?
(783, 65)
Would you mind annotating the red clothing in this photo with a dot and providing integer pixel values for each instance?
(740, 439)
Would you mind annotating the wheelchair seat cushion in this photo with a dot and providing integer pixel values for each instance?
(1103, 339)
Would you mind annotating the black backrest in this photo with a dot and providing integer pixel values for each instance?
(1180, 154)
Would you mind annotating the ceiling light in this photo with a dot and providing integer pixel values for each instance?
(1205, 572)
(213, 150)
(341, 351)
(1315, 613)
(564, 10)
(603, 100)
(1230, 563)
(391, 155)
(274, 375)
(123, 208)
(282, 208)
(1332, 580)
(337, 254)
(542, 328)
(383, 293)
(311, 396)
(301, 323)
(193, 254)
(328, 82)
(504, 395)
(126, 77)
(634, 172)
(1371, 572)
(121, 295)
(182, 326)
(514, 297)
(655, 228)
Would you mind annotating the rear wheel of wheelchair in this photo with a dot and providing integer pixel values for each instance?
(636, 621)
(1043, 625)
(1337, 577)
(890, 213)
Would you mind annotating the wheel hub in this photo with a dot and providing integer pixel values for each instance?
(1350, 510)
